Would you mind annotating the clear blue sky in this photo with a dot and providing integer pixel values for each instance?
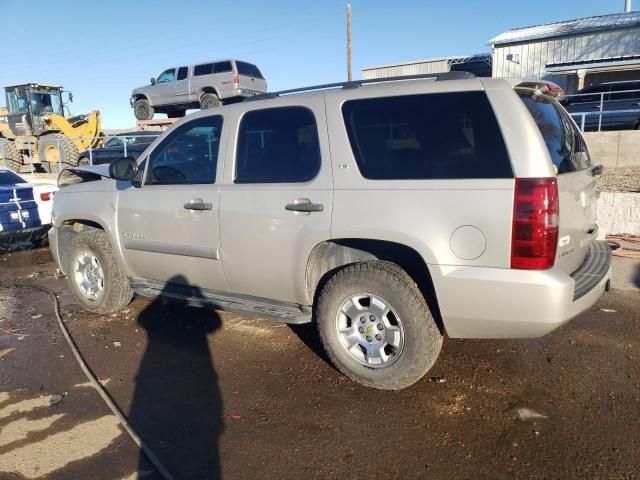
(102, 50)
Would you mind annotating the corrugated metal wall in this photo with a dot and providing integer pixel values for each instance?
(417, 68)
(529, 59)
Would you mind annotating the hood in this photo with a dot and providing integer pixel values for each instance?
(140, 90)
(90, 173)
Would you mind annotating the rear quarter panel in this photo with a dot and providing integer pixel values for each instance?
(421, 214)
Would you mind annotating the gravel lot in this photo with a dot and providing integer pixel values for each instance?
(220, 395)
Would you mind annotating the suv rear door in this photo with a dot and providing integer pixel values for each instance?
(576, 183)
(276, 202)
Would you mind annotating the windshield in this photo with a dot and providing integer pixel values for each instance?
(46, 101)
(7, 177)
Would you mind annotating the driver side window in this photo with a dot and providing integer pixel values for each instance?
(167, 76)
(188, 156)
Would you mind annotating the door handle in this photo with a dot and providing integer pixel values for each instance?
(304, 205)
(198, 205)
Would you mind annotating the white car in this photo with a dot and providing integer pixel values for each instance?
(25, 209)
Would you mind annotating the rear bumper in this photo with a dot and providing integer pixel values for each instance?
(32, 234)
(478, 302)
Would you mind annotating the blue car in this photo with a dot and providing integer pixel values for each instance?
(25, 209)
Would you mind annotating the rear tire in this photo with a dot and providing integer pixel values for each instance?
(13, 158)
(209, 100)
(56, 148)
(389, 350)
(96, 279)
(142, 109)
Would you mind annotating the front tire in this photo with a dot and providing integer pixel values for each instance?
(13, 158)
(56, 148)
(142, 109)
(95, 277)
(376, 327)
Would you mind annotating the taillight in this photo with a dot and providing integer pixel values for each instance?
(236, 79)
(46, 196)
(536, 211)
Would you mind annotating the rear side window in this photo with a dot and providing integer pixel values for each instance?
(277, 145)
(182, 73)
(248, 69)
(435, 136)
(624, 91)
(204, 69)
(564, 141)
(222, 67)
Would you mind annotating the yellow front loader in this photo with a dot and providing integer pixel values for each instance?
(34, 129)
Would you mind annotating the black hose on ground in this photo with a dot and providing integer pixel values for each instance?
(94, 380)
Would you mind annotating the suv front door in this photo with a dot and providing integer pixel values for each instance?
(168, 227)
(276, 202)
(163, 92)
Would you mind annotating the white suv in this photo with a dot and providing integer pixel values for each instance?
(386, 212)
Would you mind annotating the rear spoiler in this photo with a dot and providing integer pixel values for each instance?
(540, 88)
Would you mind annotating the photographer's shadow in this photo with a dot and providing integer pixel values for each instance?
(177, 406)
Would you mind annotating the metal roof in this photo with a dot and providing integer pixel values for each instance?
(33, 83)
(569, 27)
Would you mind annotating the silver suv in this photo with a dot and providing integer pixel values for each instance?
(388, 213)
(204, 85)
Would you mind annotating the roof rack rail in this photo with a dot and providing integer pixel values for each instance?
(358, 83)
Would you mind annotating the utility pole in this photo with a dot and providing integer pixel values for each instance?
(349, 41)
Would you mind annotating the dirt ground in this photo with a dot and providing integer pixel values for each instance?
(220, 395)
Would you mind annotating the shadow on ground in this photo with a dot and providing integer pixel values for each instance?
(177, 405)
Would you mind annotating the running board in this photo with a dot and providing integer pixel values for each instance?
(228, 302)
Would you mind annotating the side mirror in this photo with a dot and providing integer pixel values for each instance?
(153, 81)
(124, 168)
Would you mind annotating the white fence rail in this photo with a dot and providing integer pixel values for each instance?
(600, 102)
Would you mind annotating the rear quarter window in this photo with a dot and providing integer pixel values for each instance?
(428, 136)
(566, 146)
(204, 69)
(248, 69)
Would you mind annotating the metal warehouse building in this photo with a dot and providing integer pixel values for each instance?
(479, 64)
(573, 53)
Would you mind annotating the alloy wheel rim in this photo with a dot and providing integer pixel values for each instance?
(89, 275)
(370, 330)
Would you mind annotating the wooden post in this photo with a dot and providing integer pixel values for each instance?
(349, 41)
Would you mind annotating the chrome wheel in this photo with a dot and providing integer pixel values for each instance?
(370, 330)
(88, 275)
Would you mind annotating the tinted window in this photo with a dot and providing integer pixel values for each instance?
(205, 69)
(566, 146)
(7, 177)
(167, 76)
(624, 89)
(277, 145)
(182, 73)
(448, 135)
(222, 67)
(248, 69)
(189, 155)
